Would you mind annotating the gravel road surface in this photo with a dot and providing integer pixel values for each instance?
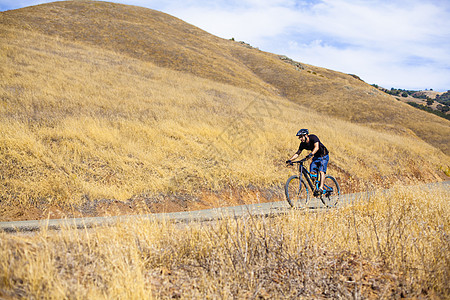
(257, 209)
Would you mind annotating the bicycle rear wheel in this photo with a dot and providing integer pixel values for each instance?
(331, 192)
(297, 193)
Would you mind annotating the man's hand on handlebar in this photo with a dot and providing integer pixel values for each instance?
(291, 163)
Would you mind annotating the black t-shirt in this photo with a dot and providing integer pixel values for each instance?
(310, 146)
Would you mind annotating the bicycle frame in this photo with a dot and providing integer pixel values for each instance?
(313, 180)
(304, 172)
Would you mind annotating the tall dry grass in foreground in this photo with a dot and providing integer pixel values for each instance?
(395, 244)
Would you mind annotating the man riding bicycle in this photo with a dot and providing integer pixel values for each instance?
(319, 153)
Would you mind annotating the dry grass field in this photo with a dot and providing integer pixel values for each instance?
(113, 109)
(108, 109)
(168, 42)
(394, 245)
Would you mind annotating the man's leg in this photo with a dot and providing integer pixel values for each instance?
(314, 169)
(323, 170)
(321, 178)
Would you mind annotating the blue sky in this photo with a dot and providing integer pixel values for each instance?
(393, 43)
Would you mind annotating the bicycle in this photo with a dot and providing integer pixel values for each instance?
(298, 191)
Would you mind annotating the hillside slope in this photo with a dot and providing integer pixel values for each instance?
(169, 42)
(163, 117)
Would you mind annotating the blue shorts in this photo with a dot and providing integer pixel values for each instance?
(319, 164)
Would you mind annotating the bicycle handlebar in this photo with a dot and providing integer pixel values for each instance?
(298, 161)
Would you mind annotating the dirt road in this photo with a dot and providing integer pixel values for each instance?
(257, 209)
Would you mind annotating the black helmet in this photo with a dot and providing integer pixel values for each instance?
(302, 132)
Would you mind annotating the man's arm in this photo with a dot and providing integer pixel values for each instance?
(294, 156)
(316, 148)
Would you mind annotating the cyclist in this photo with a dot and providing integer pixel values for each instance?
(319, 153)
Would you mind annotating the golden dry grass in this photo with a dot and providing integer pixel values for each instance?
(88, 131)
(93, 123)
(169, 42)
(394, 244)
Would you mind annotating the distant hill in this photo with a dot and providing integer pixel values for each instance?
(430, 94)
(437, 103)
(109, 108)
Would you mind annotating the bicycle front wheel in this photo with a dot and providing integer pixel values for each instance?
(297, 193)
(331, 192)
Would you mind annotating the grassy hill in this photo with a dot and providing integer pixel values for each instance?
(108, 109)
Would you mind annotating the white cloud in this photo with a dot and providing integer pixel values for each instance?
(14, 4)
(382, 68)
(387, 43)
